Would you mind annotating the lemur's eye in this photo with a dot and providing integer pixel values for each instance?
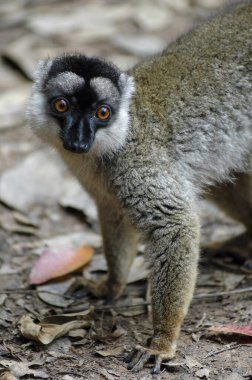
(60, 105)
(103, 113)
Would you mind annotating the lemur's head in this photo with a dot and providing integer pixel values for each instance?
(81, 104)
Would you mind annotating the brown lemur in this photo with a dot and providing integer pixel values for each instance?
(147, 143)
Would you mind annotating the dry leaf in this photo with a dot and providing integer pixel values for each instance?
(55, 263)
(53, 327)
(55, 293)
(233, 329)
(114, 351)
(78, 333)
(20, 369)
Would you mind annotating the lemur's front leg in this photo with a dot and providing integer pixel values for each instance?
(120, 240)
(168, 218)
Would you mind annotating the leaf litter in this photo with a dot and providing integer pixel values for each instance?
(53, 327)
(56, 263)
(33, 178)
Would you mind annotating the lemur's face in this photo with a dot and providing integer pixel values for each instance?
(81, 102)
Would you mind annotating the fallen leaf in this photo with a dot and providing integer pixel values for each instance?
(55, 263)
(114, 351)
(78, 333)
(232, 329)
(21, 369)
(55, 293)
(53, 327)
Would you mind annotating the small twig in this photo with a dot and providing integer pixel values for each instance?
(174, 364)
(201, 321)
(226, 293)
(105, 307)
(216, 352)
(116, 307)
(34, 291)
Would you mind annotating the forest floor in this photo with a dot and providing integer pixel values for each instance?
(42, 206)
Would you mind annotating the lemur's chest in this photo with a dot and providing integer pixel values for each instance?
(93, 178)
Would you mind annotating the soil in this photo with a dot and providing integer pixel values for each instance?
(99, 352)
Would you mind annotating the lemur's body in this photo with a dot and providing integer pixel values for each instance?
(149, 142)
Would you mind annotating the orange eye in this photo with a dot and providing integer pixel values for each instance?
(61, 105)
(103, 113)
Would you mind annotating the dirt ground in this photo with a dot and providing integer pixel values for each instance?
(40, 204)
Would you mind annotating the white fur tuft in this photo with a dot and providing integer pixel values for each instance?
(109, 140)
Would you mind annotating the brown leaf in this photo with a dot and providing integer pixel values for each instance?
(53, 327)
(114, 351)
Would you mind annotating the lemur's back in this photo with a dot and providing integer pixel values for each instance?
(199, 94)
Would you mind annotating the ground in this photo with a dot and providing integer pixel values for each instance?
(38, 203)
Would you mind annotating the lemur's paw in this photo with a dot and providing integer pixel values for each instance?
(140, 356)
(98, 289)
(104, 289)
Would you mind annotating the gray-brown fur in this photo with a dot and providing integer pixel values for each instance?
(190, 128)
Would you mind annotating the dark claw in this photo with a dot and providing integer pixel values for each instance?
(141, 361)
(135, 359)
(130, 356)
(158, 362)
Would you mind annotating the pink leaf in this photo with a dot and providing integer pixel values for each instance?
(233, 329)
(57, 262)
